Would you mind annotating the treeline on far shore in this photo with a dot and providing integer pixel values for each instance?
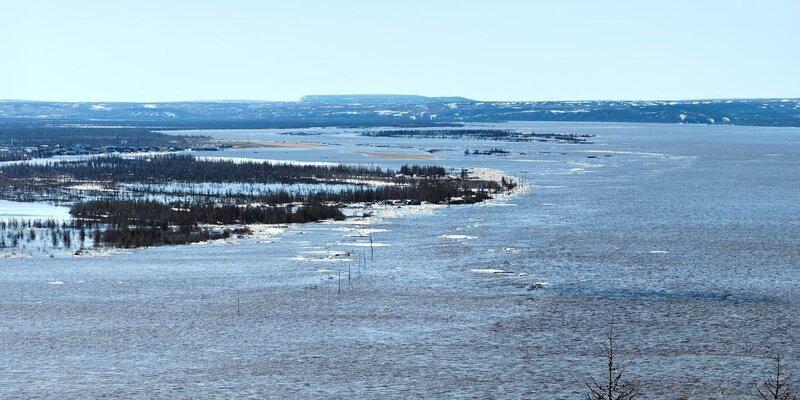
(25, 141)
(187, 168)
(47, 138)
(508, 135)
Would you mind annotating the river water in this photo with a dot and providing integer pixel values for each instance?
(686, 237)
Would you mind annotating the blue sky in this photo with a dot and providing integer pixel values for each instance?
(145, 50)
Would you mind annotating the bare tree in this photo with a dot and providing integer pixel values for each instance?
(613, 386)
(777, 385)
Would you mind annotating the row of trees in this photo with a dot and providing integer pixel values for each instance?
(49, 223)
(81, 234)
(481, 134)
(144, 213)
(187, 168)
(133, 223)
(41, 136)
(57, 236)
(430, 186)
(423, 170)
(438, 191)
(489, 152)
(14, 156)
(161, 236)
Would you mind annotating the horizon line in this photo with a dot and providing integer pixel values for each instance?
(297, 100)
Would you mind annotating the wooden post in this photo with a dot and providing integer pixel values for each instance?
(358, 266)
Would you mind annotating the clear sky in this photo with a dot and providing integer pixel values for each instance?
(148, 50)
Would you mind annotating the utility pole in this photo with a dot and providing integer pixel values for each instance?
(371, 247)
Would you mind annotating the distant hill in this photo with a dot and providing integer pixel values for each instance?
(399, 110)
(380, 99)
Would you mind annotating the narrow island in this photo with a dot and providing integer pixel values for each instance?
(169, 199)
(508, 135)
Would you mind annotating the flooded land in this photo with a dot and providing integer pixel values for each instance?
(685, 237)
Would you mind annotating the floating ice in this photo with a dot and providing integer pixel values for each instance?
(366, 244)
(489, 271)
(458, 237)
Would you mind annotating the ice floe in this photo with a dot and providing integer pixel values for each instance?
(458, 237)
(489, 271)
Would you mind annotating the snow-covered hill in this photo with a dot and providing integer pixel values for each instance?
(414, 110)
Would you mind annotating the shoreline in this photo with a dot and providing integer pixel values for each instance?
(253, 144)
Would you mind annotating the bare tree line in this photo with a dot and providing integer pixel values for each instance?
(615, 382)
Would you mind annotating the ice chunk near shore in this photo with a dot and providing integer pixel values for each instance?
(101, 252)
(458, 237)
(369, 231)
(96, 187)
(487, 174)
(330, 253)
(493, 204)
(382, 212)
(366, 244)
(328, 258)
(264, 231)
(489, 271)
